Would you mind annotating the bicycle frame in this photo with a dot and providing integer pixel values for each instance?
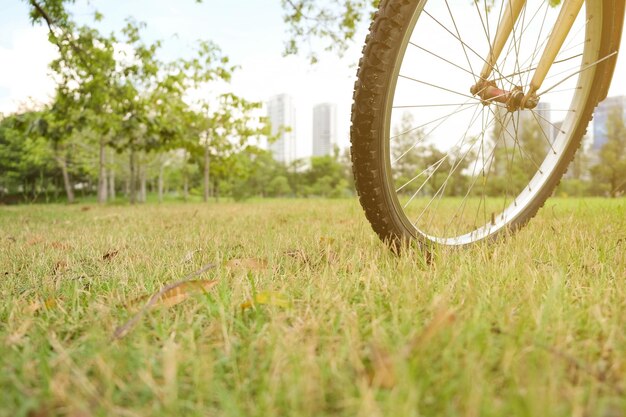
(517, 99)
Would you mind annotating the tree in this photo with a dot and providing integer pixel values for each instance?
(333, 23)
(278, 187)
(228, 129)
(610, 171)
(207, 117)
(26, 160)
(326, 177)
(407, 151)
(319, 25)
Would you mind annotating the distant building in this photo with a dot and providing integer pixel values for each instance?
(324, 128)
(282, 115)
(601, 116)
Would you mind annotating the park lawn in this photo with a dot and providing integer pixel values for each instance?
(533, 326)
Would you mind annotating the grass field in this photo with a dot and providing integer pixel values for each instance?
(534, 326)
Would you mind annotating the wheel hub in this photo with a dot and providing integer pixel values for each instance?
(514, 100)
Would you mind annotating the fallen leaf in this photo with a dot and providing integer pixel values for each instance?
(266, 298)
(110, 255)
(60, 245)
(169, 295)
(176, 294)
(247, 263)
(37, 305)
(85, 208)
(443, 317)
(34, 240)
(60, 266)
(16, 337)
(381, 373)
(299, 255)
(331, 257)
(40, 412)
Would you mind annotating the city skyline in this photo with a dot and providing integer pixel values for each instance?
(282, 115)
(601, 116)
(324, 129)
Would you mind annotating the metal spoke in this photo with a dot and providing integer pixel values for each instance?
(430, 105)
(466, 45)
(459, 37)
(578, 72)
(453, 169)
(436, 86)
(456, 111)
(442, 58)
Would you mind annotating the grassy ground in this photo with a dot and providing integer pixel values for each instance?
(534, 326)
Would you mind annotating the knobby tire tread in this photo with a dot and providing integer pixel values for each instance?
(375, 67)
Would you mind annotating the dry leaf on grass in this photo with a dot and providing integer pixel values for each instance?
(60, 267)
(177, 293)
(266, 298)
(443, 318)
(326, 240)
(299, 255)
(169, 296)
(381, 373)
(34, 240)
(60, 245)
(110, 255)
(37, 305)
(253, 264)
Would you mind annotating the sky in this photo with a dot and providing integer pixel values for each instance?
(250, 32)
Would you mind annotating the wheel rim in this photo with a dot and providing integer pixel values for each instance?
(432, 179)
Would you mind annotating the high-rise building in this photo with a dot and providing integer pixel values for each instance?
(601, 117)
(324, 129)
(282, 115)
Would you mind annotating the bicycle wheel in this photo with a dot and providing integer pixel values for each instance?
(436, 164)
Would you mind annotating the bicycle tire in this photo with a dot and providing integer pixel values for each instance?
(369, 138)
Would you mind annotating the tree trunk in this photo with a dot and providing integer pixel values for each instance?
(132, 187)
(207, 161)
(185, 177)
(160, 183)
(102, 174)
(67, 182)
(111, 179)
(56, 188)
(142, 179)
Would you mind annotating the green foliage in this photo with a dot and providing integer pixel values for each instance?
(326, 177)
(278, 187)
(610, 172)
(26, 161)
(334, 24)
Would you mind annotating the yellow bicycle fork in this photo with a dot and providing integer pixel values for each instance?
(517, 99)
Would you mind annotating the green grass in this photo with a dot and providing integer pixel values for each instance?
(533, 326)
